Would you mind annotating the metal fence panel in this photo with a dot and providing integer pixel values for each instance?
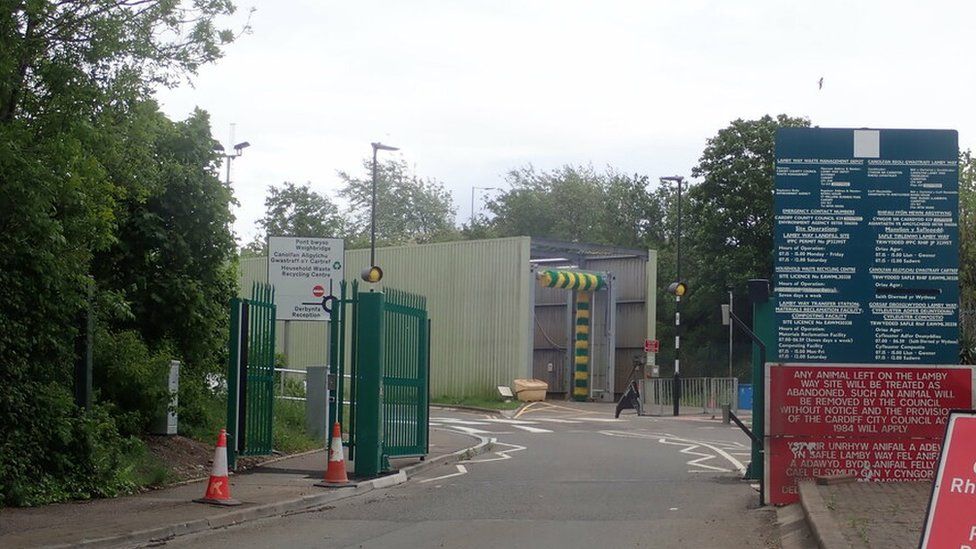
(250, 374)
(405, 374)
(705, 393)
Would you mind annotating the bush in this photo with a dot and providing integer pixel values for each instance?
(132, 378)
(57, 452)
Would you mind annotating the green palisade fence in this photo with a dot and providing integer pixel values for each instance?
(405, 374)
(250, 375)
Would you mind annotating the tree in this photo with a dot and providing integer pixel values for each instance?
(967, 255)
(577, 203)
(728, 236)
(296, 210)
(74, 141)
(408, 208)
(173, 265)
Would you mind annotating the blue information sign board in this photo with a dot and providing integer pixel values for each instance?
(867, 256)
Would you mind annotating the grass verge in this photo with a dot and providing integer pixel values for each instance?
(289, 428)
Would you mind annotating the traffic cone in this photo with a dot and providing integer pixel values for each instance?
(218, 489)
(335, 472)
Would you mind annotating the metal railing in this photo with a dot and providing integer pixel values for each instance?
(281, 392)
(705, 393)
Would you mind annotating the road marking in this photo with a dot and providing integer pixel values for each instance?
(502, 455)
(470, 430)
(455, 421)
(544, 406)
(461, 471)
(510, 421)
(557, 420)
(532, 429)
(689, 448)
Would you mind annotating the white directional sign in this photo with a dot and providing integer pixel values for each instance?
(305, 273)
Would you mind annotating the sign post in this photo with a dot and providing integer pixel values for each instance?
(950, 521)
(305, 273)
(866, 305)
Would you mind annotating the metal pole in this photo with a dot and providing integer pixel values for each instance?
(372, 217)
(676, 380)
(471, 219)
(730, 335)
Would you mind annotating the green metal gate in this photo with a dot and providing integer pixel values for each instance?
(382, 340)
(405, 374)
(250, 375)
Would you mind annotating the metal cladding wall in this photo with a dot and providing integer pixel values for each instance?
(308, 342)
(635, 286)
(479, 300)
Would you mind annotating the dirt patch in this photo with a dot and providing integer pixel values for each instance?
(189, 459)
(186, 458)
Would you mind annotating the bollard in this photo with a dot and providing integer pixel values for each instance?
(726, 413)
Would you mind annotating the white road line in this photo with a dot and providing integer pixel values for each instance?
(510, 421)
(531, 429)
(557, 420)
(689, 449)
(454, 421)
(502, 455)
(690, 446)
(461, 471)
(470, 430)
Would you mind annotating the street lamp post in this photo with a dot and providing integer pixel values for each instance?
(374, 273)
(730, 333)
(238, 151)
(473, 189)
(678, 288)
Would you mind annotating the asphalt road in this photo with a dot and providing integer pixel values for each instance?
(558, 476)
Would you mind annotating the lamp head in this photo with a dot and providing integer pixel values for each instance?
(372, 274)
(377, 146)
(678, 288)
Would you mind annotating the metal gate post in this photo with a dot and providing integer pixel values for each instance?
(369, 385)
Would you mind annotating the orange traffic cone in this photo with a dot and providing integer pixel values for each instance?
(218, 489)
(335, 473)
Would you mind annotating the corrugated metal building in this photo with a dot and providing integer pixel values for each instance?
(478, 299)
(634, 278)
(482, 297)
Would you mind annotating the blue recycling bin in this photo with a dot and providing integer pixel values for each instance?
(745, 396)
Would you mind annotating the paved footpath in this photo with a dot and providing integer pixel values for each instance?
(269, 490)
(868, 514)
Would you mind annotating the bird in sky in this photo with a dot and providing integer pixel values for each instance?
(820, 83)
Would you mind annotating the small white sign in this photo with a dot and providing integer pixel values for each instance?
(305, 273)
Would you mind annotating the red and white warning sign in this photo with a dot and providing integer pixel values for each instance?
(318, 290)
(950, 521)
(651, 345)
(873, 422)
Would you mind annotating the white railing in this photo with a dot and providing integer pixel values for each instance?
(281, 387)
(706, 394)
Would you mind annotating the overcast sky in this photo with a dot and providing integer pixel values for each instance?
(470, 90)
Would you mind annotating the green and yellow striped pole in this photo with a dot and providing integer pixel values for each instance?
(581, 375)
